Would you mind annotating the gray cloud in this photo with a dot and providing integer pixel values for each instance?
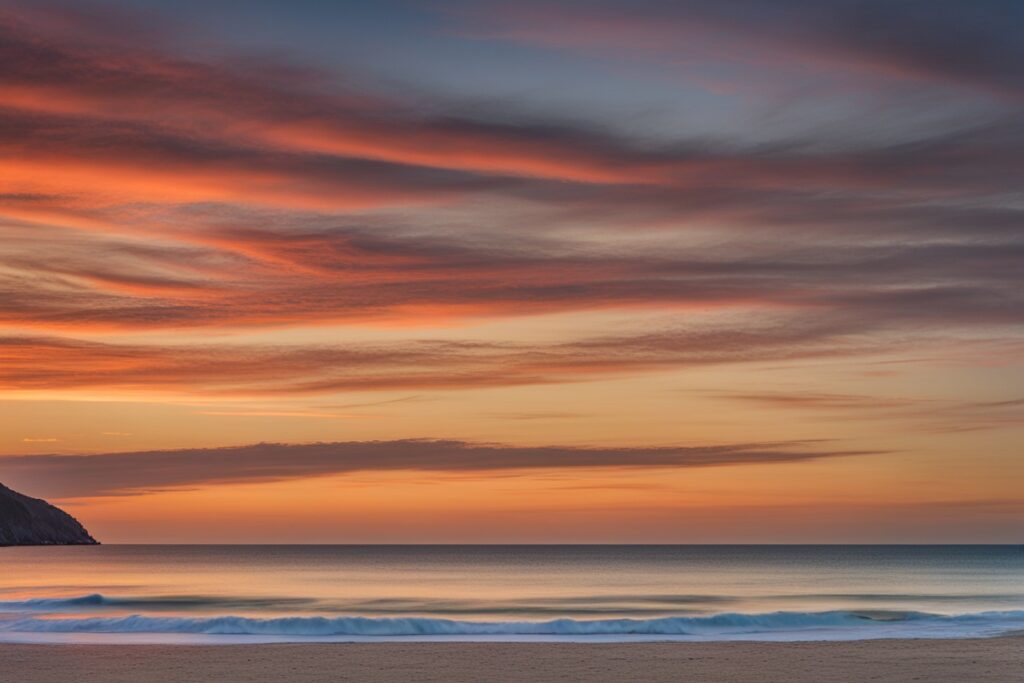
(946, 41)
(351, 273)
(63, 476)
(858, 243)
(929, 415)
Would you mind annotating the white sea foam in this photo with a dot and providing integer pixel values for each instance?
(831, 625)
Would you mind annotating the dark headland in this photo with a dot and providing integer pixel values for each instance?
(30, 521)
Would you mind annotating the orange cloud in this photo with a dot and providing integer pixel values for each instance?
(43, 364)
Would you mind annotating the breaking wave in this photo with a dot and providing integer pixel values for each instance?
(828, 625)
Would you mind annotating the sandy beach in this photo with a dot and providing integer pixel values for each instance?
(936, 661)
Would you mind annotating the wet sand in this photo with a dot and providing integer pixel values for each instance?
(936, 661)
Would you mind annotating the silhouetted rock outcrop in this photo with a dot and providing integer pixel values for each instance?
(30, 521)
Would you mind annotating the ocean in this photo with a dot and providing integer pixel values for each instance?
(217, 594)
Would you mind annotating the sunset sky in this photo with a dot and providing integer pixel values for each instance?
(515, 271)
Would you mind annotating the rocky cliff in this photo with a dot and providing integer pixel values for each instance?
(30, 521)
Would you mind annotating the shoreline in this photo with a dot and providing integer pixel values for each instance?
(938, 661)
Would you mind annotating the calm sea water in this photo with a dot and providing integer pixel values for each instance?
(285, 593)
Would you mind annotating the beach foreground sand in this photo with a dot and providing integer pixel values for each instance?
(936, 661)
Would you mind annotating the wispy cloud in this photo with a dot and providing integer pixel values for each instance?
(135, 473)
(968, 44)
(42, 363)
(926, 414)
(209, 194)
(824, 401)
(152, 190)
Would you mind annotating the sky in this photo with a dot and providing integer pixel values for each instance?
(687, 271)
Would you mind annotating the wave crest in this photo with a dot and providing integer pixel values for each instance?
(718, 625)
